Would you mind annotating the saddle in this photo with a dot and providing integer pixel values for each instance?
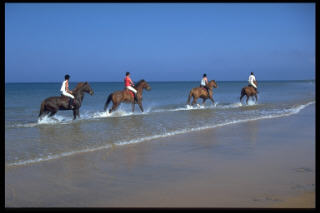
(66, 97)
(249, 85)
(204, 89)
(130, 92)
(69, 99)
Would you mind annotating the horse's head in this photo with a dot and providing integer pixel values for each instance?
(84, 87)
(212, 84)
(87, 88)
(143, 84)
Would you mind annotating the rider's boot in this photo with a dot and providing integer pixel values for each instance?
(74, 104)
(71, 103)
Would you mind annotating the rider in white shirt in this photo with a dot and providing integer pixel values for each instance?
(66, 92)
(204, 82)
(251, 80)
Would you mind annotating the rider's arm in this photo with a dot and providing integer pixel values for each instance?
(67, 87)
(131, 82)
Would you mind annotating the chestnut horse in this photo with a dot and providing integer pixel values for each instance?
(53, 104)
(249, 91)
(200, 92)
(127, 96)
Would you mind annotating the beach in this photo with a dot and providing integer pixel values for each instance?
(263, 163)
(105, 106)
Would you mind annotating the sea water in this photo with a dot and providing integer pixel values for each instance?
(30, 140)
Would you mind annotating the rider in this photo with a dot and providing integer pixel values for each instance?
(66, 92)
(251, 79)
(204, 82)
(129, 85)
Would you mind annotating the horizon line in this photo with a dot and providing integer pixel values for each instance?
(153, 81)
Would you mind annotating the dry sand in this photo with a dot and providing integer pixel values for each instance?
(259, 164)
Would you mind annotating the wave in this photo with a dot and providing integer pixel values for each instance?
(276, 114)
(87, 115)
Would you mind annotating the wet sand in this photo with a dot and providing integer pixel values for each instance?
(258, 164)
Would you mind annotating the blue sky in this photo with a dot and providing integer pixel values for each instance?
(159, 41)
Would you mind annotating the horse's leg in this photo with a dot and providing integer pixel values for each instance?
(241, 97)
(52, 113)
(212, 100)
(247, 99)
(44, 113)
(75, 113)
(189, 97)
(78, 113)
(133, 105)
(140, 105)
(114, 107)
(256, 97)
(52, 110)
(203, 100)
(194, 100)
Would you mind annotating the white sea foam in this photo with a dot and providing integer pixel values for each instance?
(26, 125)
(251, 102)
(54, 120)
(87, 115)
(46, 120)
(232, 105)
(281, 113)
(186, 108)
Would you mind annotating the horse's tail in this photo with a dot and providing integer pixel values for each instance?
(107, 102)
(243, 92)
(42, 108)
(189, 97)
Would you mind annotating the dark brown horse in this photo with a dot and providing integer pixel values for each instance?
(201, 92)
(249, 91)
(126, 96)
(53, 104)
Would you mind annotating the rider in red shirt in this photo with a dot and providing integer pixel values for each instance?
(129, 85)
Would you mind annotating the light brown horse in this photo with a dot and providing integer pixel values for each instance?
(126, 96)
(249, 91)
(53, 104)
(200, 92)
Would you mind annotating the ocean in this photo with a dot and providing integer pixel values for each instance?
(29, 140)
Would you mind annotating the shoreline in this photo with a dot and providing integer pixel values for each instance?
(255, 164)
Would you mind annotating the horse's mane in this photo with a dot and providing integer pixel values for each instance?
(212, 81)
(139, 82)
(79, 85)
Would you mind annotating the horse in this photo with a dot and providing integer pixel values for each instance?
(53, 104)
(201, 92)
(127, 96)
(249, 91)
